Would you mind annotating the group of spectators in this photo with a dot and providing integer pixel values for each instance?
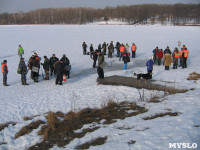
(178, 58)
(61, 68)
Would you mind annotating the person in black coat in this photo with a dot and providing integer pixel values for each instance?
(66, 63)
(52, 60)
(59, 71)
(167, 50)
(126, 59)
(35, 66)
(104, 47)
(24, 71)
(99, 48)
(100, 62)
(46, 67)
(95, 56)
(84, 46)
(91, 51)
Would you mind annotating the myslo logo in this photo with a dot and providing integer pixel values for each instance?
(183, 145)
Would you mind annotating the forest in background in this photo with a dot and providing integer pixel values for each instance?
(177, 14)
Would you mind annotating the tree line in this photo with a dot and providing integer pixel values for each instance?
(176, 14)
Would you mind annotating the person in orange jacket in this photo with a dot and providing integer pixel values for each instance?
(175, 57)
(133, 49)
(184, 57)
(4, 70)
(180, 57)
(122, 50)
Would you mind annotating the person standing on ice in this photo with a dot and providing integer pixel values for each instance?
(99, 48)
(91, 51)
(175, 56)
(167, 60)
(117, 46)
(167, 50)
(100, 65)
(95, 56)
(110, 50)
(133, 49)
(181, 55)
(126, 59)
(20, 51)
(29, 65)
(155, 51)
(52, 61)
(122, 50)
(59, 71)
(23, 72)
(184, 57)
(104, 47)
(67, 65)
(84, 46)
(35, 66)
(149, 65)
(46, 67)
(4, 70)
(159, 56)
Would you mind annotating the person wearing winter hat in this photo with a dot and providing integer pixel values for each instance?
(4, 70)
(52, 61)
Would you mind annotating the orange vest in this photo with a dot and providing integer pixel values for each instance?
(177, 55)
(133, 48)
(186, 52)
(122, 49)
(2, 66)
(180, 53)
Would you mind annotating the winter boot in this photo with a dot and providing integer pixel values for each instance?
(36, 79)
(4, 83)
(24, 82)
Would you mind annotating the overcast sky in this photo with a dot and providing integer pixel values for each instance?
(13, 6)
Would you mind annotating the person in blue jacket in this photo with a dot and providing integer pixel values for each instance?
(149, 65)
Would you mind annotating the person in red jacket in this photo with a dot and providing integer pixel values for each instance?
(4, 70)
(159, 55)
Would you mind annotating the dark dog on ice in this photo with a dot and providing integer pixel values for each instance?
(145, 76)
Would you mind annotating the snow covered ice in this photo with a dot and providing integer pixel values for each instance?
(17, 101)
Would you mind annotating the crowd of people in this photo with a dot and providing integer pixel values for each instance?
(56, 67)
(177, 58)
(122, 51)
(62, 67)
(166, 57)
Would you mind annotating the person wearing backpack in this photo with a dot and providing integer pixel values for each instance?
(23, 71)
